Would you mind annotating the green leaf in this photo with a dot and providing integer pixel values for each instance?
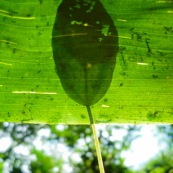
(142, 86)
(43, 163)
(84, 52)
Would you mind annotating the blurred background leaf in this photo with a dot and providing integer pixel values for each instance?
(69, 149)
(142, 86)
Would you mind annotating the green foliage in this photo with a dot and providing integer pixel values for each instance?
(43, 163)
(1, 165)
(70, 136)
(20, 135)
(161, 163)
(158, 170)
(141, 90)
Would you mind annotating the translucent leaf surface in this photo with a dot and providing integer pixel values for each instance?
(142, 86)
(84, 53)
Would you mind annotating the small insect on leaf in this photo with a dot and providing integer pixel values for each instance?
(85, 45)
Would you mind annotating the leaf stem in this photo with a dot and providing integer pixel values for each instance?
(96, 141)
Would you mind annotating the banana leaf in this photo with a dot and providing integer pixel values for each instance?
(141, 90)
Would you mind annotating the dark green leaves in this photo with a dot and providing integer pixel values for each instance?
(85, 45)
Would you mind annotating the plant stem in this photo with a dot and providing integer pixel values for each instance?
(96, 141)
